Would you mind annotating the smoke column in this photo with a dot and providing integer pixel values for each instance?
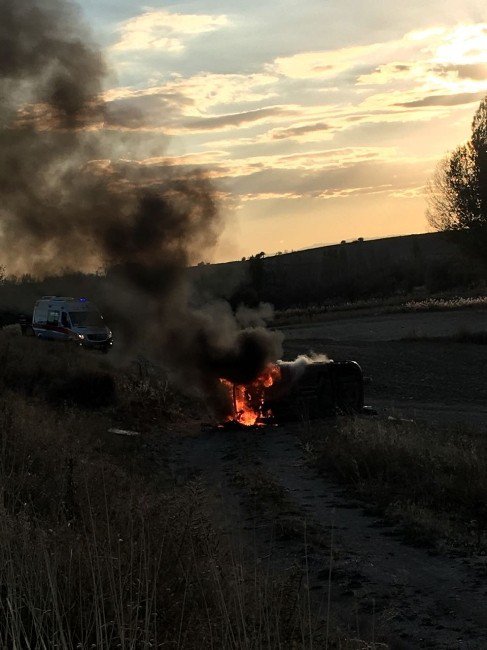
(65, 207)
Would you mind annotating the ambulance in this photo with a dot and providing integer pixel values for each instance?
(71, 319)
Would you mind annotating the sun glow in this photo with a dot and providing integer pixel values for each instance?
(460, 60)
(464, 44)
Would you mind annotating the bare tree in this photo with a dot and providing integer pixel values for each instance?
(457, 192)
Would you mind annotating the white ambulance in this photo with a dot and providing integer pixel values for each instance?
(71, 319)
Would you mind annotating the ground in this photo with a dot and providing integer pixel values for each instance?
(411, 373)
(351, 532)
(269, 499)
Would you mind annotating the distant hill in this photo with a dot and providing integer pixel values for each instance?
(427, 263)
(350, 270)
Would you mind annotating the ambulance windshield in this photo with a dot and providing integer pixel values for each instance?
(86, 319)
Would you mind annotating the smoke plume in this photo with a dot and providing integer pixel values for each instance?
(65, 207)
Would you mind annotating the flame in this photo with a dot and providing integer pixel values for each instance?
(249, 399)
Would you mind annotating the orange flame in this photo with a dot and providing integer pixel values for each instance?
(248, 399)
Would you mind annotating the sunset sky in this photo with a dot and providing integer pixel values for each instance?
(318, 120)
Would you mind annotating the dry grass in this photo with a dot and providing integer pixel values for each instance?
(137, 395)
(313, 313)
(443, 304)
(55, 371)
(431, 481)
(98, 548)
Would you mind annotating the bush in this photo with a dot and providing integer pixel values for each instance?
(87, 389)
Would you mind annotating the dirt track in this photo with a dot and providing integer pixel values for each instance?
(380, 589)
(411, 598)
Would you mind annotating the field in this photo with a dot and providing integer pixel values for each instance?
(365, 532)
(421, 364)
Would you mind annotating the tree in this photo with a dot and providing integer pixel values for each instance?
(457, 193)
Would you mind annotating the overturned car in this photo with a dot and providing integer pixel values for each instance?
(319, 389)
(305, 388)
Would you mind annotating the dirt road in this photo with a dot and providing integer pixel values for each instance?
(379, 588)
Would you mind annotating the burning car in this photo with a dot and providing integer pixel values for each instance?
(69, 319)
(304, 388)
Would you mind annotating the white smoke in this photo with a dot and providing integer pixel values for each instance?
(297, 367)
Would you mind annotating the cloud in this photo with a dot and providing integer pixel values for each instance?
(241, 127)
(444, 100)
(436, 61)
(411, 69)
(331, 193)
(394, 71)
(428, 74)
(191, 99)
(155, 109)
(330, 158)
(207, 90)
(463, 44)
(221, 122)
(270, 196)
(333, 174)
(395, 177)
(409, 192)
(163, 30)
(218, 165)
(299, 132)
(205, 158)
(323, 64)
(475, 71)
(145, 110)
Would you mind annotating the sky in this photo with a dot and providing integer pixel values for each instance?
(317, 120)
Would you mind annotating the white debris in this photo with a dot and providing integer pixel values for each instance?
(124, 432)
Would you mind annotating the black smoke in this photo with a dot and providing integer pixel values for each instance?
(64, 206)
